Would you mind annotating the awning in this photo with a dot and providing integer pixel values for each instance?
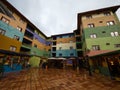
(52, 58)
(7, 52)
(103, 53)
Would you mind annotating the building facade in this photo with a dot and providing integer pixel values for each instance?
(100, 31)
(97, 36)
(63, 45)
(19, 38)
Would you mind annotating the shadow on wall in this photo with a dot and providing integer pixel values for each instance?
(34, 61)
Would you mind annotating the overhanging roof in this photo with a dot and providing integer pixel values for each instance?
(7, 52)
(104, 53)
(112, 8)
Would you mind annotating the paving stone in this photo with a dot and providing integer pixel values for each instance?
(56, 79)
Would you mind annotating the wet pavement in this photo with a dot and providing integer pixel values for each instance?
(56, 79)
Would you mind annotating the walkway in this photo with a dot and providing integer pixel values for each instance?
(55, 79)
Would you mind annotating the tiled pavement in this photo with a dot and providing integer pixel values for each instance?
(56, 79)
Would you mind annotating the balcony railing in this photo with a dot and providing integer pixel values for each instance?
(31, 37)
(27, 45)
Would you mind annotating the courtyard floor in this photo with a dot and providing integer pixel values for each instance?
(56, 79)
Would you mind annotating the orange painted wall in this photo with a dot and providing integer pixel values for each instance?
(16, 22)
(96, 20)
(66, 40)
(40, 46)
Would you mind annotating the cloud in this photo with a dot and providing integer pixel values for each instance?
(58, 16)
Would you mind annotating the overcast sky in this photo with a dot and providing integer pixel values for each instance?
(58, 16)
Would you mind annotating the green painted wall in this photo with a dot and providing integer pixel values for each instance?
(34, 61)
(102, 42)
(39, 52)
(102, 38)
(99, 31)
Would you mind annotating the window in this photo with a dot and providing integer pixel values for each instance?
(95, 47)
(5, 20)
(12, 48)
(91, 25)
(22, 21)
(16, 37)
(71, 54)
(19, 28)
(117, 45)
(93, 36)
(103, 32)
(60, 48)
(100, 21)
(89, 16)
(109, 23)
(35, 38)
(70, 35)
(2, 32)
(116, 33)
(60, 54)
(71, 41)
(113, 34)
(35, 45)
(107, 43)
(71, 47)
(60, 42)
(107, 13)
(60, 36)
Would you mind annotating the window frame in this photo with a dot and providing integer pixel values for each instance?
(5, 20)
(71, 48)
(107, 13)
(95, 47)
(19, 28)
(13, 48)
(114, 34)
(2, 32)
(89, 16)
(91, 25)
(117, 45)
(93, 35)
(16, 37)
(110, 23)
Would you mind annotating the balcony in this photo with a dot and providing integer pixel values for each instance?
(78, 39)
(29, 28)
(27, 45)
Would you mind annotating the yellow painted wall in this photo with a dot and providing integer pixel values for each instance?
(6, 42)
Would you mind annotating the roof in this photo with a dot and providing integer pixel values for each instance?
(24, 18)
(103, 53)
(62, 34)
(113, 8)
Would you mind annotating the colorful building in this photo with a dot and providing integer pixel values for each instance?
(19, 38)
(97, 39)
(63, 45)
(100, 32)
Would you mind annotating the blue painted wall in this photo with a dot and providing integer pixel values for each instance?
(10, 31)
(66, 53)
(40, 39)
